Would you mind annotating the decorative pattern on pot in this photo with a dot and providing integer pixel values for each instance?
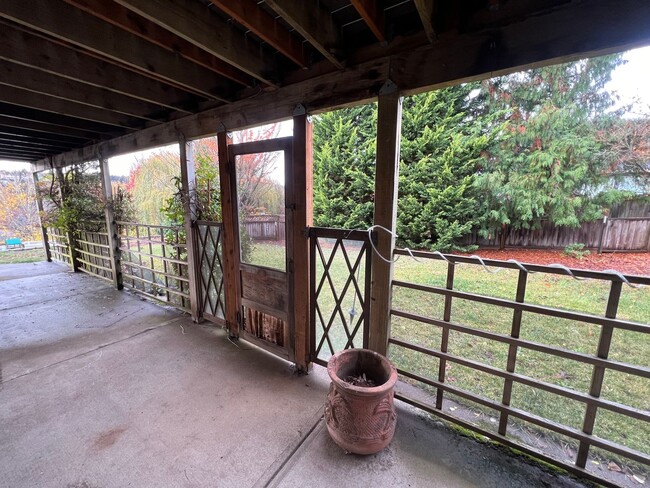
(359, 413)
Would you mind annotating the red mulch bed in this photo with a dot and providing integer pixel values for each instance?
(632, 263)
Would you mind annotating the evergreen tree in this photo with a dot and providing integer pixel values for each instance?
(442, 143)
(344, 167)
(546, 161)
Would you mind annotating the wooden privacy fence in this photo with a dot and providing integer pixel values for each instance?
(154, 262)
(265, 227)
(429, 343)
(607, 234)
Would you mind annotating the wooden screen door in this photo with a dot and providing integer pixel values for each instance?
(263, 198)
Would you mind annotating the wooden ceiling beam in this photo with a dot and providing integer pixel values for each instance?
(575, 31)
(198, 25)
(16, 158)
(40, 82)
(129, 21)
(24, 98)
(19, 47)
(28, 143)
(72, 25)
(48, 129)
(264, 25)
(425, 11)
(18, 151)
(7, 130)
(373, 16)
(314, 24)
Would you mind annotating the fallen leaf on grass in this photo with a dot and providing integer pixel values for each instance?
(639, 479)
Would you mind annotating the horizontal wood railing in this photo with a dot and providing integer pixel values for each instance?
(154, 262)
(93, 253)
(589, 400)
(59, 245)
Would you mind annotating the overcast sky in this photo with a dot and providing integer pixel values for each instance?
(631, 81)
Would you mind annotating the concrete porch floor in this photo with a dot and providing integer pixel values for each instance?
(100, 388)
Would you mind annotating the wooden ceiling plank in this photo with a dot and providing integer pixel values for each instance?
(6, 130)
(16, 158)
(425, 11)
(19, 47)
(195, 23)
(24, 98)
(575, 31)
(34, 153)
(373, 16)
(48, 129)
(26, 143)
(89, 32)
(264, 25)
(314, 24)
(125, 19)
(40, 82)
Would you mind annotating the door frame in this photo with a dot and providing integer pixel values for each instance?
(284, 144)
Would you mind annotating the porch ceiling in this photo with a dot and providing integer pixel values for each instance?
(131, 74)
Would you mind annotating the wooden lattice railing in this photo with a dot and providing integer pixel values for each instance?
(92, 252)
(421, 347)
(340, 285)
(154, 262)
(59, 245)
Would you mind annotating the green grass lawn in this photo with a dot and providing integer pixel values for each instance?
(14, 256)
(555, 291)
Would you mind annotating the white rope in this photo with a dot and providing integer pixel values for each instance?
(519, 265)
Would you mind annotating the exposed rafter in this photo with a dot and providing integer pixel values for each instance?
(32, 135)
(49, 129)
(247, 13)
(70, 24)
(37, 101)
(425, 11)
(20, 47)
(125, 19)
(198, 25)
(373, 16)
(34, 144)
(314, 24)
(40, 82)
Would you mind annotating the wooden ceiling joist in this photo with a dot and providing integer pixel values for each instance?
(117, 45)
(9, 157)
(201, 27)
(48, 129)
(262, 24)
(32, 135)
(373, 16)
(129, 21)
(39, 145)
(19, 47)
(28, 154)
(57, 121)
(37, 81)
(425, 11)
(37, 101)
(314, 24)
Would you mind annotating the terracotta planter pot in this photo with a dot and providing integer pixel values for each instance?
(361, 419)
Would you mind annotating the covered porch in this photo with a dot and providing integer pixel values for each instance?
(103, 388)
(139, 395)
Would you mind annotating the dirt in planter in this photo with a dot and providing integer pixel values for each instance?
(360, 380)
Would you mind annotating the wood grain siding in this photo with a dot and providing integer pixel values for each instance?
(266, 287)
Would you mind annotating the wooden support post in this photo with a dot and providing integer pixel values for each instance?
(389, 123)
(188, 190)
(302, 185)
(39, 203)
(231, 256)
(111, 225)
(63, 193)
